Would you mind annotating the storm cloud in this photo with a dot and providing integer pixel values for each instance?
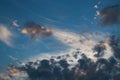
(110, 15)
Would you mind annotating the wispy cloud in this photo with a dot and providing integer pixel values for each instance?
(50, 20)
(15, 24)
(5, 35)
(84, 41)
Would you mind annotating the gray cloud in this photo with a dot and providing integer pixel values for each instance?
(110, 15)
(35, 30)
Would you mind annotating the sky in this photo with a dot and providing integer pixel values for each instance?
(67, 15)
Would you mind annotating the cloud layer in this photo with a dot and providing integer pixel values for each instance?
(84, 41)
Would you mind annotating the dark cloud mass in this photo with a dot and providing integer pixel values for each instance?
(115, 44)
(35, 30)
(110, 15)
(100, 48)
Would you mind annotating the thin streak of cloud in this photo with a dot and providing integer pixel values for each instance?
(49, 19)
(32, 12)
(15, 24)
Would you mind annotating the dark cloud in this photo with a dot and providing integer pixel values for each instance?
(35, 30)
(115, 44)
(110, 15)
(100, 49)
(85, 69)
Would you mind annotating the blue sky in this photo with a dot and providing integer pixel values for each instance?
(72, 15)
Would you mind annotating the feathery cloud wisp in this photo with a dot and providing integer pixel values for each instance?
(15, 24)
(5, 35)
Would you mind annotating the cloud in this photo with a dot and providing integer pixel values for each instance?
(115, 44)
(84, 41)
(96, 6)
(14, 74)
(110, 15)
(15, 24)
(5, 35)
(49, 20)
(79, 62)
(35, 30)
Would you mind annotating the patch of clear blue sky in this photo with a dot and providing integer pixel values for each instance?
(63, 14)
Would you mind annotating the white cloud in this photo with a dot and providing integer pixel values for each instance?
(97, 13)
(5, 35)
(15, 24)
(84, 41)
(96, 6)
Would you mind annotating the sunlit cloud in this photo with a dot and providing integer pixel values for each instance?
(84, 41)
(6, 35)
(35, 30)
(14, 74)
